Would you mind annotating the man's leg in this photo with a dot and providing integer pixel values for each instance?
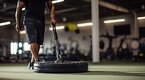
(35, 51)
(32, 57)
(31, 28)
(34, 47)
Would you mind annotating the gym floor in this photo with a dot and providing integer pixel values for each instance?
(100, 71)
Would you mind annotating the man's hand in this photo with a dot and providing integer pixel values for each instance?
(17, 27)
(53, 21)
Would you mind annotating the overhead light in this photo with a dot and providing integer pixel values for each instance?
(23, 32)
(85, 24)
(140, 18)
(5, 23)
(78, 25)
(57, 28)
(57, 1)
(114, 21)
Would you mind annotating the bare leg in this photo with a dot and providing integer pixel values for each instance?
(32, 58)
(35, 50)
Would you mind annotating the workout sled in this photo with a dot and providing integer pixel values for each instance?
(60, 66)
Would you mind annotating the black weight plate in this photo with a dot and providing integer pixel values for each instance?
(67, 66)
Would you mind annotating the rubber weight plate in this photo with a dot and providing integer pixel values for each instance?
(61, 67)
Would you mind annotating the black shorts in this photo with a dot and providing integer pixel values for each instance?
(34, 30)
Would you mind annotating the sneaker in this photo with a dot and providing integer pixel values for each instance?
(59, 60)
(30, 65)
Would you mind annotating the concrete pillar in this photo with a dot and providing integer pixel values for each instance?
(136, 29)
(95, 31)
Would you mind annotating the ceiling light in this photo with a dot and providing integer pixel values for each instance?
(5, 23)
(85, 24)
(57, 1)
(57, 28)
(114, 21)
(140, 18)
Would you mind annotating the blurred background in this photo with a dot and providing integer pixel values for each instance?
(121, 31)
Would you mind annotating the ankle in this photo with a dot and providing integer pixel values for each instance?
(37, 60)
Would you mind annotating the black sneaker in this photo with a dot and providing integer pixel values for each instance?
(30, 65)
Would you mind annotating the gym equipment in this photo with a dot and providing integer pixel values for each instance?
(59, 65)
(134, 44)
(123, 51)
(135, 50)
(109, 54)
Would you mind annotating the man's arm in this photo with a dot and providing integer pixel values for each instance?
(51, 11)
(20, 5)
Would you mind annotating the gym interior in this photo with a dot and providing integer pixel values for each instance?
(107, 34)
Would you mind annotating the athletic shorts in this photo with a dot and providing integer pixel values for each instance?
(34, 30)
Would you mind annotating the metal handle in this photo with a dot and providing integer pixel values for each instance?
(54, 31)
(56, 42)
